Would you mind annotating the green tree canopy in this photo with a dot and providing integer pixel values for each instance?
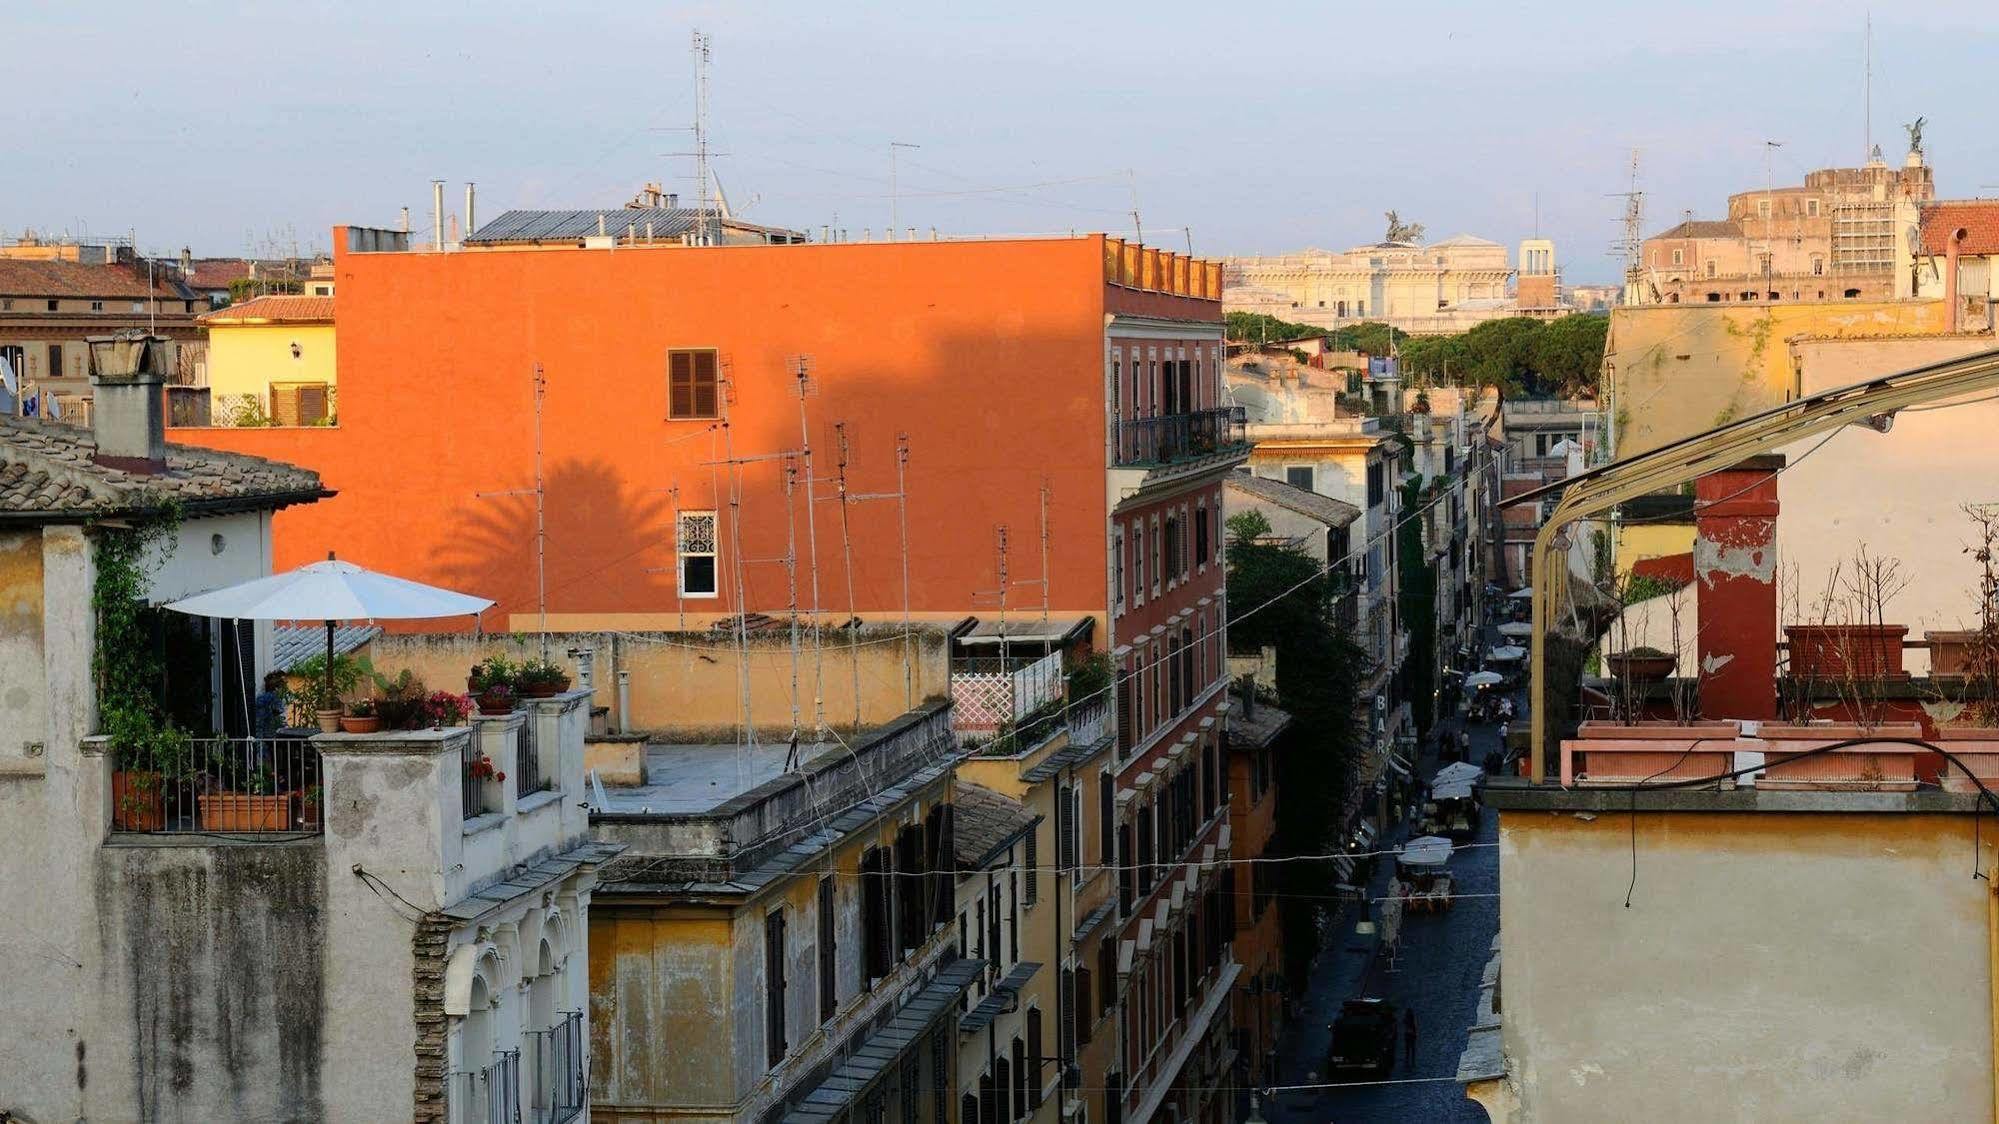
(1568, 353)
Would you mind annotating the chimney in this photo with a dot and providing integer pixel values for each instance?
(437, 214)
(128, 401)
(1950, 296)
(470, 225)
(673, 200)
(406, 220)
(1735, 575)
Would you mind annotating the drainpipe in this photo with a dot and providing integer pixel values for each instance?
(624, 701)
(1950, 298)
(1992, 962)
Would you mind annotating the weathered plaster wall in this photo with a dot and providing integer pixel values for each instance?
(1770, 967)
(687, 684)
(1679, 369)
(212, 986)
(23, 712)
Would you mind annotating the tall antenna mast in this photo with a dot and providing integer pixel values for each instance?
(1867, 149)
(791, 586)
(847, 555)
(902, 518)
(701, 136)
(1631, 246)
(802, 369)
(539, 492)
(894, 199)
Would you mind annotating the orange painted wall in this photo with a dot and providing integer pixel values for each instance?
(989, 355)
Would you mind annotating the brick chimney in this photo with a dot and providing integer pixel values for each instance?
(128, 402)
(1735, 575)
(1953, 304)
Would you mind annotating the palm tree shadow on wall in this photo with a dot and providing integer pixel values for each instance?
(609, 546)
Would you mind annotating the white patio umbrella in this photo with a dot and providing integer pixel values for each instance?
(330, 591)
(1484, 679)
(1521, 594)
(1507, 654)
(1427, 850)
(1457, 772)
(1517, 629)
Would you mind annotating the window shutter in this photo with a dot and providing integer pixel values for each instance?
(1082, 999)
(1022, 1069)
(1003, 1088)
(829, 991)
(1033, 866)
(1065, 838)
(1066, 1004)
(704, 384)
(940, 1078)
(312, 403)
(680, 384)
(1036, 1083)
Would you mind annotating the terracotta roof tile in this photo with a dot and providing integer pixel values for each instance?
(20, 278)
(983, 822)
(1702, 228)
(273, 310)
(47, 469)
(1978, 218)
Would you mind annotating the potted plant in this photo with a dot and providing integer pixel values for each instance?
(496, 698)
(491, 672)
(442, 708)
(147, 752)
(324, 686)
(1642, 665)
(260, 807)
(1648, 752)
(361, 718)
(540, 679)
(399, 702)
(1886, 766)
(308, 808)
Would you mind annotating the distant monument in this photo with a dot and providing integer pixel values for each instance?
(1915, 131)
(1399, 231)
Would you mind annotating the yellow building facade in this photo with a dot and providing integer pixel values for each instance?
(271, 361)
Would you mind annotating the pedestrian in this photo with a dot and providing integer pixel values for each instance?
(1464, 744)
(1408, 1037)
(1503, 728)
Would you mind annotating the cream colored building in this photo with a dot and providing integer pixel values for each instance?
(1433, 288)
(271, 361)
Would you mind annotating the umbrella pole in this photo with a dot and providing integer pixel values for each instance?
(329, 661)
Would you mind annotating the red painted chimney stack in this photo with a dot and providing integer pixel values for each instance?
(1735, 571)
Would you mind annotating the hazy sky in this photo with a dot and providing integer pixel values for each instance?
(1260, 126)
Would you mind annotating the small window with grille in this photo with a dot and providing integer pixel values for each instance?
(696, 546)
(692, 390)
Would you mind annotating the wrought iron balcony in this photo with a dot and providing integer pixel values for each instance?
(1177, 438)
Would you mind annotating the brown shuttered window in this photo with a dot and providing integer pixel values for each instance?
(692, 390)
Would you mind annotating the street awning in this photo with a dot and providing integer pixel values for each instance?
(1457, 772)
(880, 1050)
(1510, 653)
(1427, 850)
(1517, 629)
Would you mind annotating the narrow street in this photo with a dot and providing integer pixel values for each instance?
(1436, 975)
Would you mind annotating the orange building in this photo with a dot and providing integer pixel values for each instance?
(1076, 376)
(1259, 998)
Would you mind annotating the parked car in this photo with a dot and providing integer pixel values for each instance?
(1363, 1039)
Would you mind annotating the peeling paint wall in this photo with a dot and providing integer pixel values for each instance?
(1816, 966)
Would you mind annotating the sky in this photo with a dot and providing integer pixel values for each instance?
(1233, 129)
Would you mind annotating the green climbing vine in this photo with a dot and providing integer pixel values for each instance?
(126, 662)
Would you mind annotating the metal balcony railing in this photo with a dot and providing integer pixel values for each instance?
(220, 786)
(529, 776)
(558, 1081)
(487, 1096)
(1176, 438)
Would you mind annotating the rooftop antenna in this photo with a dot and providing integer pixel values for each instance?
(901, 498)
(1631, 246)
(1867, 150)
(1137, 226)
(701, 55)
(847, 556)
(539, 492)
(802, 370)
(894, 200)
(1769, 206)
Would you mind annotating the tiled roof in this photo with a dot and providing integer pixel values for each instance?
(214, 274)
(291, 643)
(273, 310)
(47, 472)
(1312, 505)
(1703, 228)
(984, 823)
(1978, 218)
(20, 278)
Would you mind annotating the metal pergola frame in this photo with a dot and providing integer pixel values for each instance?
(1872, 403)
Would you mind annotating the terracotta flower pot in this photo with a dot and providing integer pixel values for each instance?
(545, 690)
(329, 720)
(1608, 753)
(137, 802)
(1888, 766)
(1977, 750)
(1641, 668)
(245, 811)
(497, 700)
(351, 724)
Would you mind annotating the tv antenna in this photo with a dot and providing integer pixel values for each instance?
(894, 200)
(701, 56)
(540, 493)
